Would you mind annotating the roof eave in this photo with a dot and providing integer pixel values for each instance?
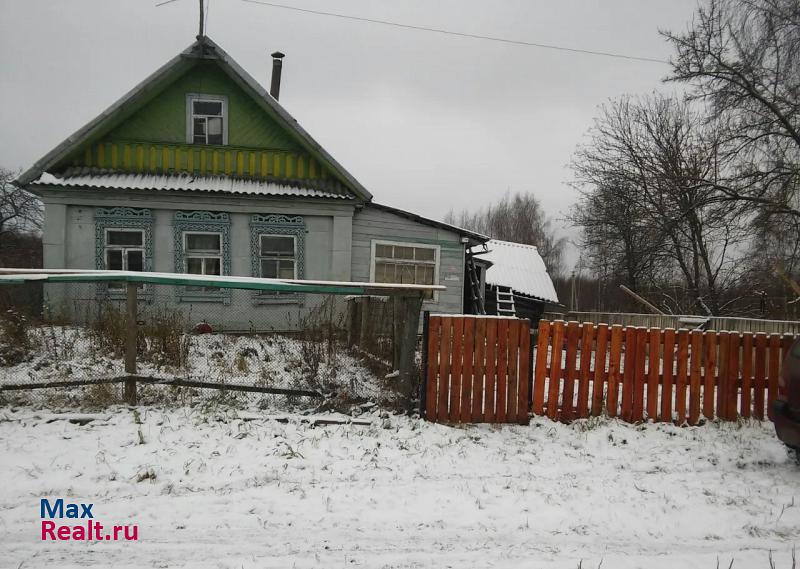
(474, 238)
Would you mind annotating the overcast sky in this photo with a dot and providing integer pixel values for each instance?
(426, 122)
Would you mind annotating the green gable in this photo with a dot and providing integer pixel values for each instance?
(163, 119)
(146, 131)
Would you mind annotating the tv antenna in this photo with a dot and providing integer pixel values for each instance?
(203, 21)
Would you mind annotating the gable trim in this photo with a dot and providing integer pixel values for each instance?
(203, 48)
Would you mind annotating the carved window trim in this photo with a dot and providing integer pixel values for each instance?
(202, 221)
(277, 224)
(105, 218)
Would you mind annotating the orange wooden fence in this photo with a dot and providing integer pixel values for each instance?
(478, 370)
(634, 373)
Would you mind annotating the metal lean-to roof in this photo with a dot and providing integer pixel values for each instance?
(11, 276)
(95, 178)
(202, 49)
(520, 267)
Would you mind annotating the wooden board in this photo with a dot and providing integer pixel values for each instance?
(523, 397)
(479, 371)
(455, 370)
(599, 370)
(431, 376)
(584, 374)
(569, 372)
(709, 375)
(760, 376)
(668, 370)
(502, 371)
(540, 368)
(747, 374)
(694, 378)
(489, 394)
(467, 369)
(653, 372)
(554, 379)
(681, 380)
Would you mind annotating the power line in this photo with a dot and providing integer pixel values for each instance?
(459, 34)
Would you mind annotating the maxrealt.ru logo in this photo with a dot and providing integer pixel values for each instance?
(85, 530)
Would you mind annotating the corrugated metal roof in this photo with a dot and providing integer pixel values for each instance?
(93, 178)
(520, 267)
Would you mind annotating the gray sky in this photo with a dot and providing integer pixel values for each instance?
(426, 122)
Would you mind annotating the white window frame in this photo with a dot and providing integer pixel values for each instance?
(436, 264)
(124, 249)
(262, 257)
(189, 255)
(190, 99)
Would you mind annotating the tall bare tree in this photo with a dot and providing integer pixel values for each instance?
(519, 218)
(742, 59)
(20, 211)
(637, 177)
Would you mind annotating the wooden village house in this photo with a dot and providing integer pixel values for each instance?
(198, 169)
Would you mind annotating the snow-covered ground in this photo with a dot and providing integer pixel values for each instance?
(213, 489)
(61, 353)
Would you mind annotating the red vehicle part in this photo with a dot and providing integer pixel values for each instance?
(786, 408)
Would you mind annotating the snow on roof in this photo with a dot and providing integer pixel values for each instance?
(520, 267)
(93, 178)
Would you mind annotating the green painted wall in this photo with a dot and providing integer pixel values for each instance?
(164, 118)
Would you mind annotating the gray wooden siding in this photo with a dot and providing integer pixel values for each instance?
(373, 224)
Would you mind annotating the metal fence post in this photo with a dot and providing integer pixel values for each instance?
(130, 342)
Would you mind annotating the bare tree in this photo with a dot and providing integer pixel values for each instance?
(518, 218)
(20, 211)
(742, 59)
(637, 176)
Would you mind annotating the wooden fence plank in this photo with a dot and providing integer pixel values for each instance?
(540, 369)
(554, 382)
(467, 370)
(587, 339)
(786, 345)
(710, 372)
(759, 378)
(573, 329)
(614, 368)
(513, 369)
(478, 381)
(523, 403)
(681, 381)
(502, 370)
(599, 369)
(431, 381)
(637, 412)
(629, 370)
(694, 380)
(772, 371)
(455, 370)
(732, 384)
(653, 372)
(442, 410)
(747, 374)
(724, 340)
(667, 366)
(489, 403)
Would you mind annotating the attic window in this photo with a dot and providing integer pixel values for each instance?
(207, 119)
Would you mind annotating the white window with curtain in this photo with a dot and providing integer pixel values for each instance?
(405, 263)
(206, 119)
